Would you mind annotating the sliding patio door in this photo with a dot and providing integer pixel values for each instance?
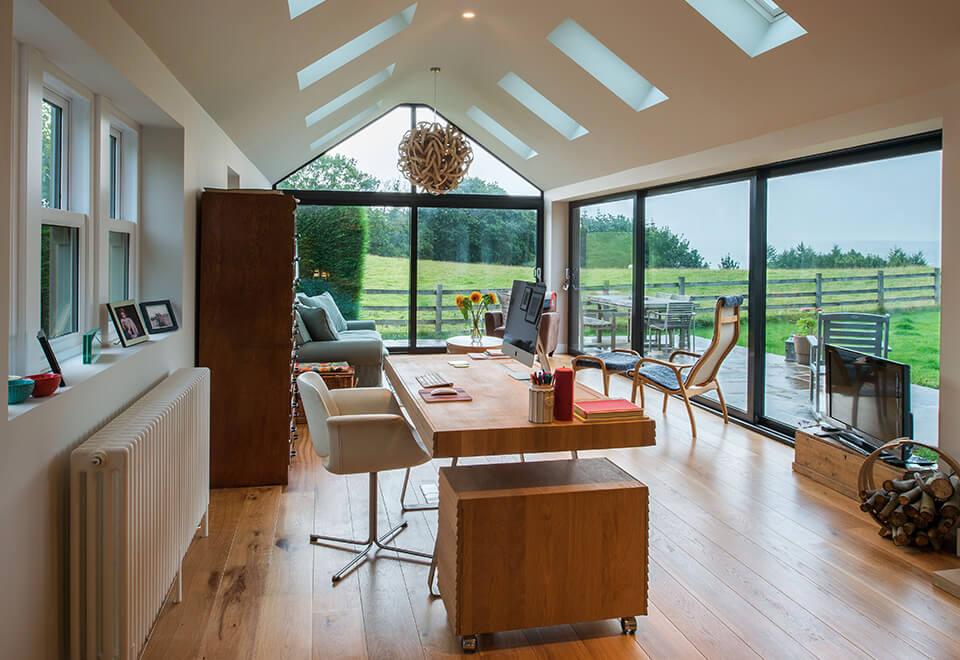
(697, 248)
(602, 275)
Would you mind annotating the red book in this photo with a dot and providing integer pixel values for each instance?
(607, 409)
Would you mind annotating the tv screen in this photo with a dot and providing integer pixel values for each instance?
(869, 394)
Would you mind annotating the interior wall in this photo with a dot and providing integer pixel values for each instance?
(178, 163)
(897, 118)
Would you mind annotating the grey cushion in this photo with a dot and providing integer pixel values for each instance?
(732, 301)
(301, 334)
(661, 375)
(319, 324)
(361, 325)
(612, 360)
(326, 301)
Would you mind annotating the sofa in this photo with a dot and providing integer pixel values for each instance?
(356, 342)
(549, 321)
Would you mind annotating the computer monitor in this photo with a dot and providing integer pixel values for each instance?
(521, 336)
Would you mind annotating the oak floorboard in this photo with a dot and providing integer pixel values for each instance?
(180, 626)
(660, 638)
(232, 627)
(604, 639)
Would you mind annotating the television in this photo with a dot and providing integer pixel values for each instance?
(523, 322)
(868, 395)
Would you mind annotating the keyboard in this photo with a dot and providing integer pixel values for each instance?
(433, 379)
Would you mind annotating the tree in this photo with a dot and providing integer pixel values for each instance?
(728, 263)
(332, 248)
(330, 172)
(664, 249)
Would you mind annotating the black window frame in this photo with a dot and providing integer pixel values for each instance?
(758, 177)
(414, 201)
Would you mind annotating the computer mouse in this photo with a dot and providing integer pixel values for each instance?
(444, 391)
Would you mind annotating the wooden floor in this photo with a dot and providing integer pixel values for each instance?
(747, 559)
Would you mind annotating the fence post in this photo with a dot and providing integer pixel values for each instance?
(606, 286)
(879, 287)
(818, 290)
(438, 310)
(936, 285)
(681, 285)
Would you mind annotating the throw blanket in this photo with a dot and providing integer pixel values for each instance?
(321, 367)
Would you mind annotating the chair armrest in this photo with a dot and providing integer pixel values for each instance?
(371, 443)
(682, 352)
(361, 325)
(492, 321)
(365, 401)
(676, 367)
(624, 350)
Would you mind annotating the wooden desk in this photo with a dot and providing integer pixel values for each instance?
(495, 422)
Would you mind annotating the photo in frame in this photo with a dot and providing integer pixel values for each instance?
(127, 322)
(158, 316)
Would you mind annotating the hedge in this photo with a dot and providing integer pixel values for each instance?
(333, 240)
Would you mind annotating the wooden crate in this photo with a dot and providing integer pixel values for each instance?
(832, 463)
(523, 545)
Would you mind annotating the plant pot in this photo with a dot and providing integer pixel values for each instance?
(802, 345)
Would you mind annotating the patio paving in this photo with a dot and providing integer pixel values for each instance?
(787, 386)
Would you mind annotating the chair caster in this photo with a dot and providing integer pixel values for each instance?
(469, 643)
(628, 624)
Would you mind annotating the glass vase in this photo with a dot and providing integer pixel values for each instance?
(476, 336)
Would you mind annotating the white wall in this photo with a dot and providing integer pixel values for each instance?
(939, 108)
(36, 444)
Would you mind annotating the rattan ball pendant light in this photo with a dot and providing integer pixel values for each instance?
(435, 157)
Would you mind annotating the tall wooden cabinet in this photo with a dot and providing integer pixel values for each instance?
(246, 266)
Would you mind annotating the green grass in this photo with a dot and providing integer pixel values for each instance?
(915, 327)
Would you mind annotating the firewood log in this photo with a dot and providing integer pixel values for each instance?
(900, 537)
(921, 522)
(874, 498)
(951, 508)
(936, 540)
(909, 528)
(937, 485)
(885, 532)
(911, 495)
(892, 503)
(899, 485)
(898, 516)
(911, 510)
(921, 540)
(928, 509)
(946, 524)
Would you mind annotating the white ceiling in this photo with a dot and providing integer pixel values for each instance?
(240, 58)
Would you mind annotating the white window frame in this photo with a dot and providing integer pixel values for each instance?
(52, 96)
(114, 210)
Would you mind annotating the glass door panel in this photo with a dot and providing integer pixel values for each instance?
(602, 298)
(697, 248)
(361, 255)
(462, 250)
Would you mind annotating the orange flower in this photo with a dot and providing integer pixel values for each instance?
(493, 298)
(459, 301)
(475, 297)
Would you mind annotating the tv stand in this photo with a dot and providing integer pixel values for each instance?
(834, 462)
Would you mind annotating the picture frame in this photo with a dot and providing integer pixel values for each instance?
(127, 322)
(158, 316)
(48, 353)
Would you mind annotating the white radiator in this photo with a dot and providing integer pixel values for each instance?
(139, 487)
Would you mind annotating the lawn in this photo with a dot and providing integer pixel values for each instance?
(915, 325)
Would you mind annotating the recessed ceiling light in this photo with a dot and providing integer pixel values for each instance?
(469, 14)
(356, 47)
(347, 125)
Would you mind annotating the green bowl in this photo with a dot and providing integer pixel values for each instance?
(19, 390)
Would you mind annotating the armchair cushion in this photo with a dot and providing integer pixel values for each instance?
(611, 360)
(661, 375)
(318, 323)
(493, 322)
(361, 325)
(325, 300)
(302, 335)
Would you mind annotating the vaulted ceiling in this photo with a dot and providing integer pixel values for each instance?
(240, 59)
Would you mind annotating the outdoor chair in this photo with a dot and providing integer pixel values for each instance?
(866, 333)
(668, 376)
(677, 316)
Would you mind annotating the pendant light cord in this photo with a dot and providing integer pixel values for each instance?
(436, 79)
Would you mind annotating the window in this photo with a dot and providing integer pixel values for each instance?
(118, 265)
(116, 163)
(59, 279)
(768, 9)
(53, 126)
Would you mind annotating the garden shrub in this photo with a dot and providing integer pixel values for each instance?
(333, 240)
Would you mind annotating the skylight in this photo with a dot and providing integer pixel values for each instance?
(298, 7)
(604, 65)
(356, 47)
(541, 106)
(756, 26)
(347, 125)
(493, 127)
(349, 95)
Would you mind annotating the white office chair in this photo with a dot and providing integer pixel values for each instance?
(360, 430)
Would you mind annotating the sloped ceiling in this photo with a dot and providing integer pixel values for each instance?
(240, 58)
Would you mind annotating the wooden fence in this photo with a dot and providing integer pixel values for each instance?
(884, 290)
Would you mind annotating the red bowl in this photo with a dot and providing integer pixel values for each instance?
(46, 384)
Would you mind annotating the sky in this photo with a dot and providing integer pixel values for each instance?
(375, 149)
(870, 207)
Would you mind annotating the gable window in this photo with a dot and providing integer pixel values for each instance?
(53, 125)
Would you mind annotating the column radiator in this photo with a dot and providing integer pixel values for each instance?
(139, 487)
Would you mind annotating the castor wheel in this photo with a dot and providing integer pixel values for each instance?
(628, 624)
(469, 643)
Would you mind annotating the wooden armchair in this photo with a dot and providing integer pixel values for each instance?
(668, 376)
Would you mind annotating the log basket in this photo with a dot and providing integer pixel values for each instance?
(866, 484)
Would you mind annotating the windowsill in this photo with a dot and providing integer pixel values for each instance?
(75, 372)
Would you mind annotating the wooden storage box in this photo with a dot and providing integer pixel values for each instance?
(523, 545)
(832, 463)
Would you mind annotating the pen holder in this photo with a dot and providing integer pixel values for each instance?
(541, 404)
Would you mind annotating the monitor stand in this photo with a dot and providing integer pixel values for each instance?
(543, 357)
